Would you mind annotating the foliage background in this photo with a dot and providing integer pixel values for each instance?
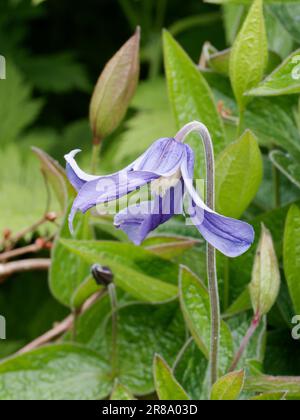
(55, 52)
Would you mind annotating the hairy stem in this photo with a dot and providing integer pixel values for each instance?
(114, 318)
(211, 252)
(276, 186)
(95, 156)
(244, 344)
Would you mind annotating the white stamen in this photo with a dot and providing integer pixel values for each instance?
(161, 185)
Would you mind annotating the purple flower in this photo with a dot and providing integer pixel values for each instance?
(168, 167)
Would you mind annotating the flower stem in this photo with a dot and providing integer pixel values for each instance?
(95, 155)
(114, 341)
(211, 252)
(253, 327)
(276, 186)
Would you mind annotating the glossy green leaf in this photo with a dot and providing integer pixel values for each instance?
(288, 13)
(287, 165)
(264, 383)
(265, 284)
(241, 304)
(291, 255)
(85, 290)
(239, 171)
(121, 393)
(279, 396)
(56, 372)
(195, 305)
(249, 55)
(166, 385)
(190, 95)
(139, 272)
(55, 176)
(67, 270)
(143, 330)
(191, 371)
(229, 387)
(285, 80)
(169, 247)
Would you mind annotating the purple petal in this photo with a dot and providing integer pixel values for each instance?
(108, 188)
(230, 236)
(164, 157)
(139, 220)
(76, 176)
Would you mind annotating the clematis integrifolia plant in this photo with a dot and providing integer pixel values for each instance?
(168, 167)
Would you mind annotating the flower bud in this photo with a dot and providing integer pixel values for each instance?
(102, 275)
(115, 89)
(265, 284)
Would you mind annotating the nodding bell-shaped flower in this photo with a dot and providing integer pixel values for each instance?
(168, 166)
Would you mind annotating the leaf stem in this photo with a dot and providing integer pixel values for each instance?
(241, 123)
(276, 186)
(95, 155)
(114, 318)
(211, 252)
(244, 344)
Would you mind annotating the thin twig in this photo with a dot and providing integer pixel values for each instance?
(29, 249)
(60, 328)
(38, 264)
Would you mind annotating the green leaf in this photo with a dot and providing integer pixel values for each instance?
(291, 257)
(288, 13)
(239, 172)
(85, 290)
(55, 176)
(166, 385)
(287, 165)
(279, 396)
(190, 95)
(58, 73)
(285, 79)
(143, 330)
(56, 372)
(195, 305)
(264, 383)
(249, 55)
(229, 387)
(265, 284)
(169, 247)
(191, 371)
(17, 113)
(137, 271)
(241, 304)
(121, 393)
(68, 270)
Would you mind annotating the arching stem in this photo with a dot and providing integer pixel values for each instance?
(201, 129)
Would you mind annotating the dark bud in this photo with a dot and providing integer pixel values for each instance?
(102, 275)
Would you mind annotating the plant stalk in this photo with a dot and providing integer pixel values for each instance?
(211, 252)
(244, 344)
(114, 318)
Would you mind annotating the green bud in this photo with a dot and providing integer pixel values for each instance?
(265, 284)
(115, 89)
